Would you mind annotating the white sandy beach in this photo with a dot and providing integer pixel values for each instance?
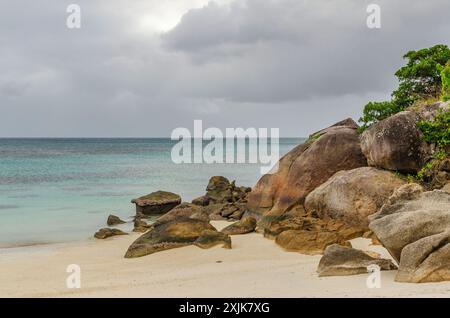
(255, 267)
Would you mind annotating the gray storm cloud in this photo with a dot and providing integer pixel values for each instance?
(296, 65)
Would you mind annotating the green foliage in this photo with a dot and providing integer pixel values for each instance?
(437, 131)
(314, 137)
(376, 111)
(426, 171)
(445, 78)
(419, 79)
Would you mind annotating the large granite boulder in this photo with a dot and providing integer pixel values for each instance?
(414, 226)
(314, 242)
(353, 195)
(158, 202)
(396, 143)
(426, 260)
(107, 232)
(305, 233)
(304, 168)
(245, 225)
(176, 233)
(338, 260)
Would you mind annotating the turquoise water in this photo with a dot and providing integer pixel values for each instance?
(58, 190)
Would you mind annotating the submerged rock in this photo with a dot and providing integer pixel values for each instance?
(396, 143)
(107, 232)
(244, 226)
(304, 168)
(210, 238)
(413, 226)
(339, 260)
(158, 202)
(114, 220)
(176, 233)
(353, 195)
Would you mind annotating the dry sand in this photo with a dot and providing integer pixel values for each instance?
(255, 267)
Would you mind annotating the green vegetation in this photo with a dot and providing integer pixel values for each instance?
(376, 111)
(314, 137)
(437, 131)
(445, 77)
(419, 79)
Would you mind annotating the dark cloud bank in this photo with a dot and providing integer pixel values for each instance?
(296, 65)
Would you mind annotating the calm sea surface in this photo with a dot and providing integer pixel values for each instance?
(59, 190)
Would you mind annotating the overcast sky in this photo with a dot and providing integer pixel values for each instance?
(144, 67)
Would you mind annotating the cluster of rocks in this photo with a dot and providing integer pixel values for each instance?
(414, 226)
(223, 199)
(337, 186)
(181, 223)
(178, 228)
(107, 231)
(340, 184)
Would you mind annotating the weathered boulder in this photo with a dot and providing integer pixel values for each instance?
(426, 260)
(184, 210)
(313, 235)
(396, 143)
(413, 225)
(244, 226)
(107, 232)
(219, 190)
(309, 242)
(338, 260)
(353, 195)
(304, 168)
(210, 238)
(114, 220)
(158, 202)
(176, 233)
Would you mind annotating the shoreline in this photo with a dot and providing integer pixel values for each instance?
(254, 267)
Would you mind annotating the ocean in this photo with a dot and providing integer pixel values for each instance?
(62, 190)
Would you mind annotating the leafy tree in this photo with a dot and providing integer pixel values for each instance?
(376, 111)
(419, 79)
